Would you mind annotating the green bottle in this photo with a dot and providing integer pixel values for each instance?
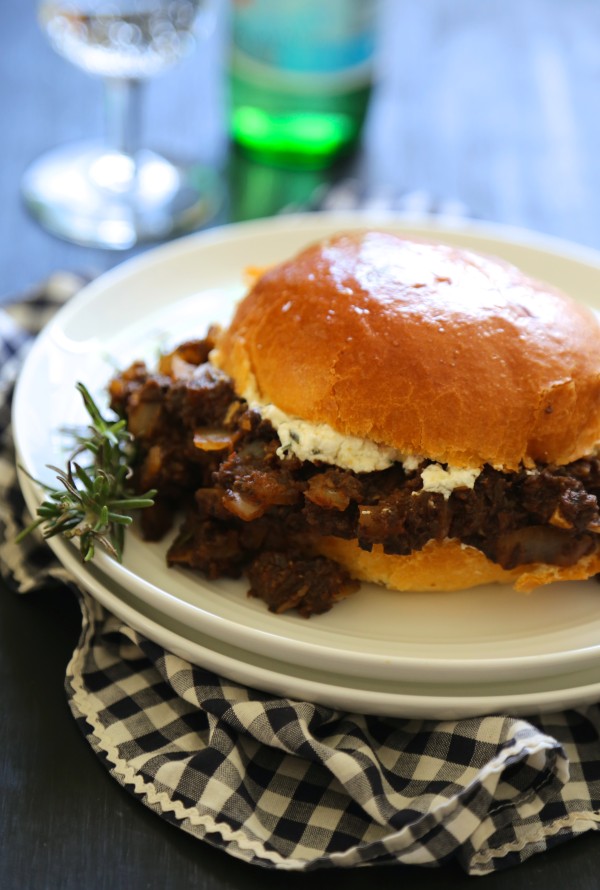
(300, 78)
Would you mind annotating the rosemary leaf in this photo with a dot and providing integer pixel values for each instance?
(93, 503)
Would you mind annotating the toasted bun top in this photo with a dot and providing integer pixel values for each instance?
(434, 350)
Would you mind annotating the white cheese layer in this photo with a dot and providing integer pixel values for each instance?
(320, 442)
(436, 478)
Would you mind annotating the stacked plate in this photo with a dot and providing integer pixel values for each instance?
(430, 655)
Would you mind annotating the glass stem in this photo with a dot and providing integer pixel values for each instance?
(122, 114)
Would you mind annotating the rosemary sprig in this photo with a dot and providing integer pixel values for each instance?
(94, 502)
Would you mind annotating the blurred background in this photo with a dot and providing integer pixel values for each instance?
(479, 109)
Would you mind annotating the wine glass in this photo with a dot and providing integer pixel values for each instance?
(115, 193)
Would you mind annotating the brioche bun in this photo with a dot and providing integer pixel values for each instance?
(431, 349)
(447, 565)
(435, 351)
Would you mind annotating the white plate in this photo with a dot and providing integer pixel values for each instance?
(177, 290)
(529, 697)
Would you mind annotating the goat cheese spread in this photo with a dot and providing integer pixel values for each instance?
(320, 442)
(444, 481)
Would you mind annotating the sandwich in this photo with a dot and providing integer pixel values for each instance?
(379, 409)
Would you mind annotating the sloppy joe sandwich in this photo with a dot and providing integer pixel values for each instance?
(379, 409)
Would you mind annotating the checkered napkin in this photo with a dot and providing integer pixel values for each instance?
(288, 784)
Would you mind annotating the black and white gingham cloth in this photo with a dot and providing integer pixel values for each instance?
(292, 785)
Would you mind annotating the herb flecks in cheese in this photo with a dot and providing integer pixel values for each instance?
(320, 442)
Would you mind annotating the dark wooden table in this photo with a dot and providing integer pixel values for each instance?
(488, 107)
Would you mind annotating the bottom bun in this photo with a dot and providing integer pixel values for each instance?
(448, 565)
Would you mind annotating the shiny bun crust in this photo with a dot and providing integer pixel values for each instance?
(431, 349)
(447, 566)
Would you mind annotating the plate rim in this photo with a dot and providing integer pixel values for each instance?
(329, 694)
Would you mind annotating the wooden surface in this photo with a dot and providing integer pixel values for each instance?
(484, 107)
